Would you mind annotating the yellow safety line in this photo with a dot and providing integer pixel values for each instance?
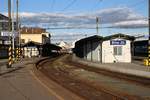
(51, 91)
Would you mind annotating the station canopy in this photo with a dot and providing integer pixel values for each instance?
(32, 44)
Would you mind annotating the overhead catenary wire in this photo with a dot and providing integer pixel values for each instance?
(52, 4)
(137, 3)
(97, 3)
(93, 28)
(69, 5)
(60, 28)
(68, 35)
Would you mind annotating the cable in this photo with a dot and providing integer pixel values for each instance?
(53, 3)
(60, 28)
(68, 35)
(137, 3)
(69, 5)
(95, 6)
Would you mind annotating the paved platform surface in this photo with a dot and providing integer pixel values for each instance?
(19, 83)
(15, 66)
(3, 61)
(135, 68)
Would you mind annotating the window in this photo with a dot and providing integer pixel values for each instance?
(7, 42)
(1, 42)
(22, 40)
(118, 50)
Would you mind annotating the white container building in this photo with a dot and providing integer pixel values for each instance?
(109, 49)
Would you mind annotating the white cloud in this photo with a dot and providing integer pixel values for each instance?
(131, 24)
(113, 17)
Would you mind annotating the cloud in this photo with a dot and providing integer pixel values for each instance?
(131, 24)
(111, 17)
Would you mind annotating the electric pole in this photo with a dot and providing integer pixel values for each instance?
(13, 35)
(18, 31)
(10, 35)
(17, 20)
(149, 32)
(97, 21)
(9, 15)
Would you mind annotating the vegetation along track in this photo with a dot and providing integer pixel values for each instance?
(81, 81)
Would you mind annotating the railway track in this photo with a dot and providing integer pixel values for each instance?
(131, 78)
(63, 71)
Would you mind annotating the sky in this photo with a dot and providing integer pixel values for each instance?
(115, 16)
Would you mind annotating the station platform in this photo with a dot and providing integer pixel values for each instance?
(16, 65)
(135, 68)
(19, 82)
(3, 61)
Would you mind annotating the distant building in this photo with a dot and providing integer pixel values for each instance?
(4, 23)
(140, 46)
(31, 49)
(140, 49)
(66, 48)
(32, 39)
(4, 46)
(5, 36)
(4, 29)
(34, 34)
(63, 45)
(110, 49)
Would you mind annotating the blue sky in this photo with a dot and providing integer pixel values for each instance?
(81, 13)
(78, 5)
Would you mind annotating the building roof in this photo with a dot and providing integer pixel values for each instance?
(3, 17)
(31, 43)
(51, 46)
(99, 38)
(91, 38)
(119, 35)
(32, 30)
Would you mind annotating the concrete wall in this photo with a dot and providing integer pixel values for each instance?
(109, 57)
(31, 52)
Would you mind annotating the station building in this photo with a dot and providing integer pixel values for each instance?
(35, 34)
(117, 48)
(109, 49)
(37, 42)
(32, 39)
(89, 48)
